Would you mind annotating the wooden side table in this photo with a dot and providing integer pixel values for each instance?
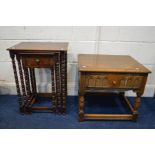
(99, 73)
(31, 55)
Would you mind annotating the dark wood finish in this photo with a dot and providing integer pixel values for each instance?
(108, 73)
(22, 82)
(58, 84)
(36, 47)
(27, 83)
(31, 55)
(12, 55)
(53, 80)
(33, 81)
(64, 81)
(38, 61)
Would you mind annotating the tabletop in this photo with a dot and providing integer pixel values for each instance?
(39, 46)
(110, 63)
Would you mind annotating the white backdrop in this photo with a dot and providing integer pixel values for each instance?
(138, 42)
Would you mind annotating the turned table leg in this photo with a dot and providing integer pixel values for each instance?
(17, 82)
(63, 82)
(82, 86)
(27, 82)
(58, 89)
(33, 81)
(65, 59)
(53, 89)
(136, 106)
(22, 81)
(81, 107)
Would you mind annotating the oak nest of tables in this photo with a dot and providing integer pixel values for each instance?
(26, 57)
(111, 73)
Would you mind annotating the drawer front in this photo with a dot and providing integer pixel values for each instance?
(120, 81)
(38, 61)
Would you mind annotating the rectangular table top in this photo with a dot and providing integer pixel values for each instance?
(110, 63)
(39, 46)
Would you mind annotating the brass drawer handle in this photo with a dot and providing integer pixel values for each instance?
(114, 82)
(37, 61)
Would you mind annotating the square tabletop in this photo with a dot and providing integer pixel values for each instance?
(110, 63)
(39, 46)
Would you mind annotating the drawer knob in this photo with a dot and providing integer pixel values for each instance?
(37, 61)
(114, 82)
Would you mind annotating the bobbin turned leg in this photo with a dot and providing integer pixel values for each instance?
(27, 81)
(65, 59)
(58, 88)
(17, 82)
(12, 55)
(136, 105)
(33, 86)
(22, 81)
(53, 89)
(63, 82)
(33, 81)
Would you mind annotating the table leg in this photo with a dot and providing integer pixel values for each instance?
(54, 101)
(58, 89)
(17, 82)
(82, 86)
(63, 82)
(22, 81)
(33, 81)
(81, 107)
(27, 81)
(65, 59)
(136, 105)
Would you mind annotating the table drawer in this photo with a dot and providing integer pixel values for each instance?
(38, 61)
(121, 81)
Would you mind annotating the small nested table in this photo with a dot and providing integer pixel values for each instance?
(31, 55)
(109, 73)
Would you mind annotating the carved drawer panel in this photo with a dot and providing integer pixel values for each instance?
(38, 61)
(122, 81)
